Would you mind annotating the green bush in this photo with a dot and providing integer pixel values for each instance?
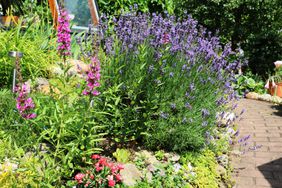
(115, 8)
(249, 83)
(163, 82)
(36, 41)
(256, 25)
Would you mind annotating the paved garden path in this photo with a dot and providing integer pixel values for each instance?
(261, 168)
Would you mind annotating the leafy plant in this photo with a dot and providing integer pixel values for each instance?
(249, 83)
(122, 155)
(36, 41)
(154, 77)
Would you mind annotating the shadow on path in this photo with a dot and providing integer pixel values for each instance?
(272, 172)
(279, 110)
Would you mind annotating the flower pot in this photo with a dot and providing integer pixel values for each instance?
(276, 90)
(8, 20)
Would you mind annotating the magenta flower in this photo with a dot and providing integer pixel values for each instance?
(93, 78)
(25, 103)
(64, 36)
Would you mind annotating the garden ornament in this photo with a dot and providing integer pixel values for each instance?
(17, 72)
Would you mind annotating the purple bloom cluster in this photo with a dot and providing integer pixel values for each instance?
(93, 77)
(25, 103)
(64, 36)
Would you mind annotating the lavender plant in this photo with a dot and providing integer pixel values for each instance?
(165, 80)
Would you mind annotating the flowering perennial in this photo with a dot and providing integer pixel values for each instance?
(93, 77)
(104, 174)
(64, 37)
(25, 103)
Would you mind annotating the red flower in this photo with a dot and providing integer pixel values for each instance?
(79, 177)
(111, 181)
(114, 169)
(91, 176)
(120, 167)
(98, 167)
(118, 177)
(103, 161)
(87, 184)
(95, 156)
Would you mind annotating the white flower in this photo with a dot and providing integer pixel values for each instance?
(190, 167)
(267, 85)
(177, 167)
(277, 63)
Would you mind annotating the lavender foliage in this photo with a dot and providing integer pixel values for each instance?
(174, 71)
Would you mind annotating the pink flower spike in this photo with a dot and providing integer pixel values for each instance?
(64, 37)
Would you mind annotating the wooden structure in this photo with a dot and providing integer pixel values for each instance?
(92, 7)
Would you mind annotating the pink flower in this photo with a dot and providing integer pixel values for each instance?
(273, 84)
(95, 156)
(64, 37)
(120, 167)
(79, 177)
(93, 78)
(118, 177)
(267, 85)
(111, 181)
(98, 167)
(25, 103)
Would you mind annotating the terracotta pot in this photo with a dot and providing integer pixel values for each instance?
(276, 91)
(8, 20)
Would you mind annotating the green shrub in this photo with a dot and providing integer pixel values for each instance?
(256, 25)
(36, 41)
(163, 81)
(249, 82)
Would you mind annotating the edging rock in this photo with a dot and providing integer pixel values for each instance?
(264, 97)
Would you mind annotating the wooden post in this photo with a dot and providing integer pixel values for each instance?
(54, 11)
(93, 12)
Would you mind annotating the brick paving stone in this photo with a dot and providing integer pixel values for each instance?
(263, 167)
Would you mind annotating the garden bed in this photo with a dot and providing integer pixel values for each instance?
(149, 103)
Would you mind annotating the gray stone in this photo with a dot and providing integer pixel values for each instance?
(174, 158)
(149, 157)
(130, 174)
(41, 81)
(252, 95)
(265, 97)
(276, 99)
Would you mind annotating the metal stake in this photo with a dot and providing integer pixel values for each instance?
(17, 71)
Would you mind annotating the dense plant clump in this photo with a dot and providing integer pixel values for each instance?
(169, 78)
